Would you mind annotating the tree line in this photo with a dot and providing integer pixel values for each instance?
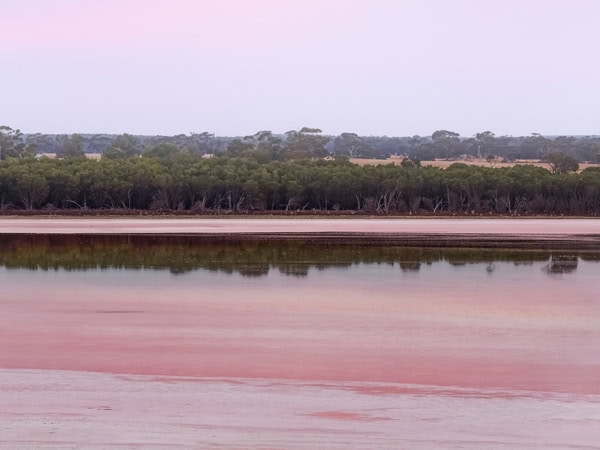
(308, 142)
(167, 180)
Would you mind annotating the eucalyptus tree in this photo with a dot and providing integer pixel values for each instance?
(11, 143)
(446, 143)
(123, 146)
(561, 163)
(486, 144)
(71, 146)
(27, 183)
(305, 143)
(352, 145)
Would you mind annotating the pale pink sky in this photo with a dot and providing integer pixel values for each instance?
(235, 67)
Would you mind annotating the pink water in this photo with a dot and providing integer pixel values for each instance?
(364, 357)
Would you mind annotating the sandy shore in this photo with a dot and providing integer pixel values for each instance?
(582, 233)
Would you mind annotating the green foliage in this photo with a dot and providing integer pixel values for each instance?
(264, 177)
(447, 143)
(353, 146)
(306, 143)
(72, 147)
(410, 163)
(11, 143)
(561, 163)
(264, 172)
(124, 146)
(162, 150)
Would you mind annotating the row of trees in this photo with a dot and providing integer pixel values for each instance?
(307, 143)
(180, 181)
(449, 145)
(14, 144)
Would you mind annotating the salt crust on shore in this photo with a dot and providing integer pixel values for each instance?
(73, 410)
(497, 227)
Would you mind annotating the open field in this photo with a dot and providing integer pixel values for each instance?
(397, 160)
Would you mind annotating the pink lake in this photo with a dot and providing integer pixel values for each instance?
(413, 353)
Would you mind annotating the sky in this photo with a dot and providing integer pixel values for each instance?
(234, 67)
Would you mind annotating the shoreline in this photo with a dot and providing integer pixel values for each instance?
(276, 214)
(66, 409)
(527, 233)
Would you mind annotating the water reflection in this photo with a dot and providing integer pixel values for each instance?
(410, 266)
(560, 264)
(181, 255)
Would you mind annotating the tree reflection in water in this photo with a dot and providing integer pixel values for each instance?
(180, 255)
(560, 264)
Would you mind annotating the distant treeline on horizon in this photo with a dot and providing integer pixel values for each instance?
(306, 142)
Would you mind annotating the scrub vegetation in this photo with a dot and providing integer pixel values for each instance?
(267, 173)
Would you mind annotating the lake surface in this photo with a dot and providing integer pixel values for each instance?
(136, 342)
